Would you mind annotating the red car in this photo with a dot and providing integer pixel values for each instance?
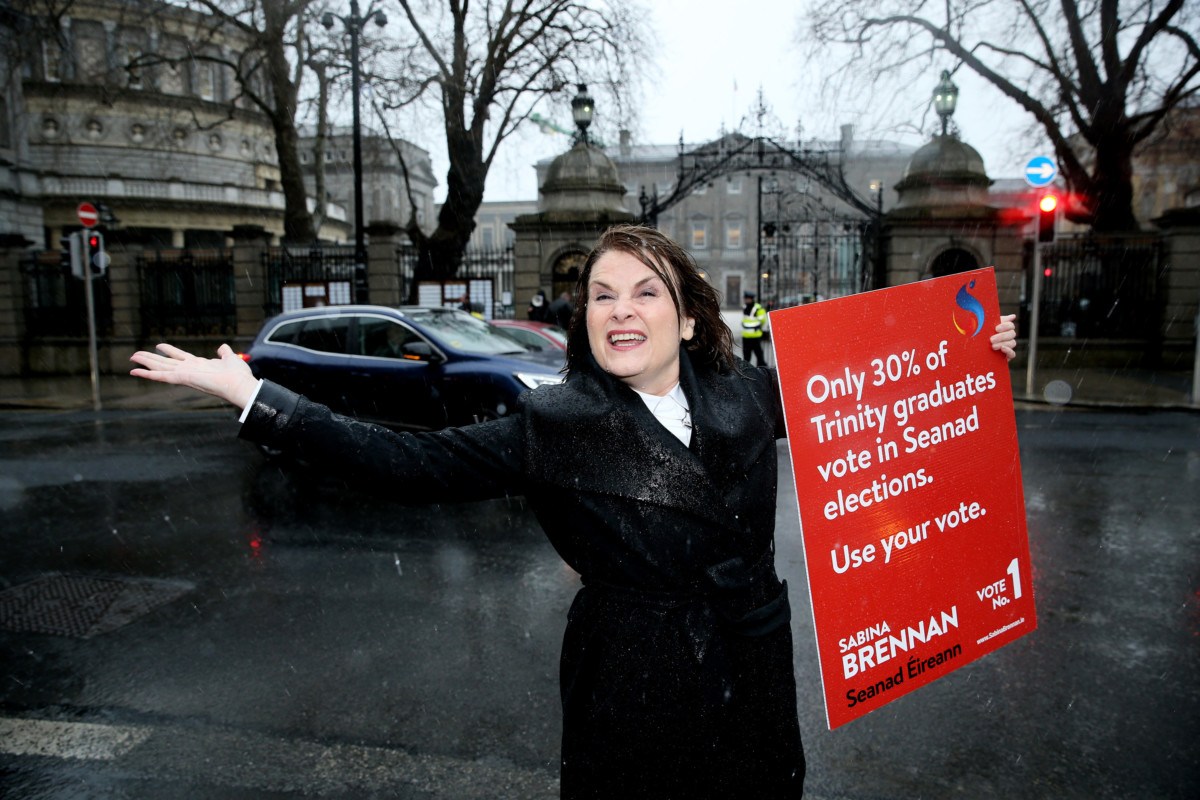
(535, 335)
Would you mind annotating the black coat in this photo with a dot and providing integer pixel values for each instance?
(676, 671)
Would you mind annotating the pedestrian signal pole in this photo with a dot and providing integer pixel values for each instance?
(1045, 224)
(81, 250)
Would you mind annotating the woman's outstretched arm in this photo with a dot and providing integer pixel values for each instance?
(226, 376)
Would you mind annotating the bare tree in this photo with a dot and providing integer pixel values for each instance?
(1099, 77)
(269, 72)
(485, 67)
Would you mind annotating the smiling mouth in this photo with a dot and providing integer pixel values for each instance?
(626, 338)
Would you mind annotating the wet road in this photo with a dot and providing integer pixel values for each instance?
(290, 638)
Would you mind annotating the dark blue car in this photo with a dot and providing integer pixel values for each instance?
(409, 367)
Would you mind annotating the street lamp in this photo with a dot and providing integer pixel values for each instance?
(582, 108)
(945, 97)
(353, 25)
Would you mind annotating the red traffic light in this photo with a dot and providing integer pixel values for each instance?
(1047, 217)
(94, 242)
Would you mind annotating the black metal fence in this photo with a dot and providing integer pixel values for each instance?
(816, 261)
(1098, 286)
(325, 275)
(55, 300)
(294, 274)
(187, 292)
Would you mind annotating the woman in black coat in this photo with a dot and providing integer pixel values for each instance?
(652, 470)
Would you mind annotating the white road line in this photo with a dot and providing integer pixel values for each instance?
(82, 740)
(263, 762)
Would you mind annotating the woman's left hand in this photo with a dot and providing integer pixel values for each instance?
(1005, 338)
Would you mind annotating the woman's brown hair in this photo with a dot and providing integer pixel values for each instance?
(711, 342)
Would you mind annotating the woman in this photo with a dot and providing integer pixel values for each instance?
(652, 470)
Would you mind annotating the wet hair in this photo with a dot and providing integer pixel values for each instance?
(711, 343)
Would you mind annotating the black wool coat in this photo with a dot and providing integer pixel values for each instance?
(676, 669)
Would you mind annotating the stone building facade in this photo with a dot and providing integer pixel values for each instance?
(94, 107)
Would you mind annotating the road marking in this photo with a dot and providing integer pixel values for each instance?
(268, 763)
(80, 740)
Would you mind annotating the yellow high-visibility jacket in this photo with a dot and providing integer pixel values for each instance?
(754, 322)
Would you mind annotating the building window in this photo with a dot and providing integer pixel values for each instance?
(733, 235)
(699, 235)
(52, 61)
(664, 188)
(701, 188)
(489, 238)
(733, 185)
(171, 79)
(206, 81)
(133, 71)
(93, 64)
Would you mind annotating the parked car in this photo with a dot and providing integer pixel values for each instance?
(410, 367)
(536, 335)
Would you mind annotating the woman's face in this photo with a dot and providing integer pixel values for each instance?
(633, 328)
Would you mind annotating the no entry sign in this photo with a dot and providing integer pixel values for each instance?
(904, 446)
(88, 216)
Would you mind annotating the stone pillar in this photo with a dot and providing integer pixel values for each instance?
(113, 351)
(580, 198)
(13, 248)
(527, 272)
(1181, 278)
(249, 280)
(385, 284)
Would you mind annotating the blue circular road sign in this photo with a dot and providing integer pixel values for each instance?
(1040, 171)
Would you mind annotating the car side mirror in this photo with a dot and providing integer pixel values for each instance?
(422, 351)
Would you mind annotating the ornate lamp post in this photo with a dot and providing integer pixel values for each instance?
(582, 108)
(354, 24)
(945, 97)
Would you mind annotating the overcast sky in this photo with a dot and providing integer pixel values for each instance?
(711, 64)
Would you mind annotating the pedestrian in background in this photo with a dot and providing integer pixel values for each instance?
(652, 470)
(754, 329)
(539, 307)
(561, 310)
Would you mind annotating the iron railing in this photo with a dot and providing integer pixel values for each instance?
(325, 274)
(55, 302)
(303, 270)
(801, 266)
(1098, 287)
(187, 293)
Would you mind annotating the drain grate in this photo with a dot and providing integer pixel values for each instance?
(83, 606)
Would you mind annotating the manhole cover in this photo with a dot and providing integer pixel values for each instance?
(83, 606)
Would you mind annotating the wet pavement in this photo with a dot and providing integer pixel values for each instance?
(325, 644)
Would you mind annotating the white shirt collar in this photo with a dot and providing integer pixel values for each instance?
(672, 411)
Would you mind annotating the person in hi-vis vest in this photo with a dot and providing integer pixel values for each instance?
(754, 323)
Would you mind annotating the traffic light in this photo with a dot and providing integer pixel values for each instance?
(1047, 217)
(97, 259)
(72, 254)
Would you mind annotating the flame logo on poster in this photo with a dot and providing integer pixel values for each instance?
(967, 302)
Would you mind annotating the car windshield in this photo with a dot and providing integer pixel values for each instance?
(465, 332)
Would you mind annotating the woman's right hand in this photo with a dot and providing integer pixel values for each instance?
(227, 377)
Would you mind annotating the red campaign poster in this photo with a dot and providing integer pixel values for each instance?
(904, 447)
